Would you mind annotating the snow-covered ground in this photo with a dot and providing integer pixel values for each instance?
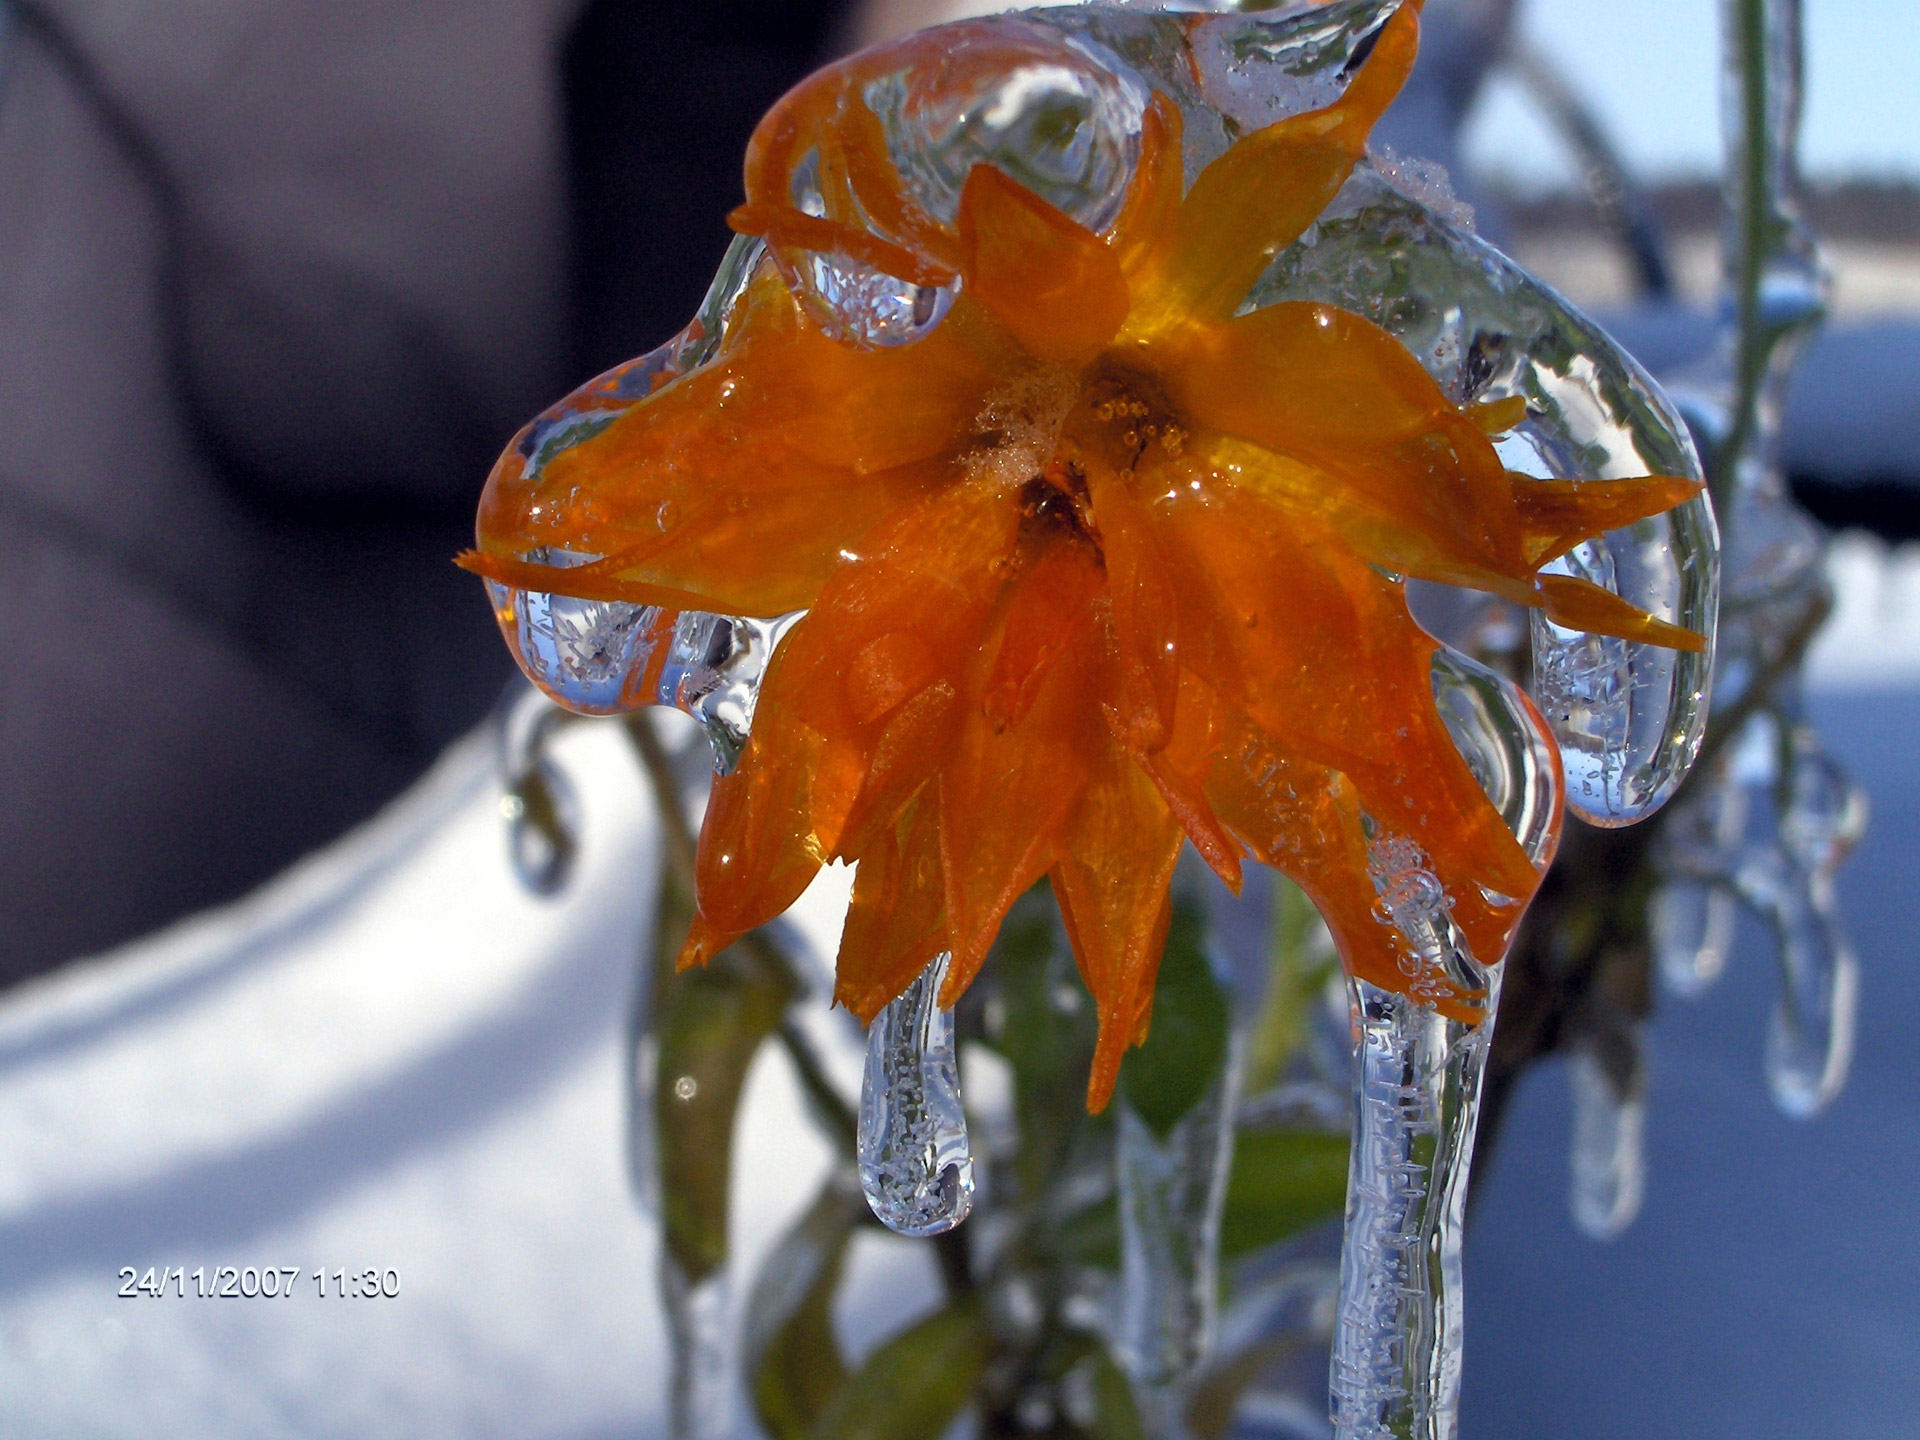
(393, 1058)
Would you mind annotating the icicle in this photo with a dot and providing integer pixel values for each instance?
(537, 801)
(915, 1164)
(1396, 1344)
(713, 672)
(699, 1330)
(1172, 1190)
(1608, 1158)
(1690, 919)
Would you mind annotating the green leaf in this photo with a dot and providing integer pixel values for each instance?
(1303, 961)
(793, 1361)
(1187, 1040)
(913, 1386)
(1283, 1181)
(709, 1025)
(1115, 1416)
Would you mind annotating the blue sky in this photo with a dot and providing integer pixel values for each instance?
(1649, 67)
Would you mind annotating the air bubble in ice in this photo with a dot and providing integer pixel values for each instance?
(915, 1163)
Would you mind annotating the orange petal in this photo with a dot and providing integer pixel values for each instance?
(1306, 822)
(737, 486)
(1009, 787)
(1053, 283)
(1145, 624)
(897, 922)
(757, 849)
(1556, 515)
(872, 670)
(1152, 203)
(1360, 436)
(1582, 605)
(1259, 196)
(1112, 887)
(1318, 649)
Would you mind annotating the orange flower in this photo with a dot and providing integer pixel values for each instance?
(1095, 568)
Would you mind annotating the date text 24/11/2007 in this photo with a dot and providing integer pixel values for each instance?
(255, 1282)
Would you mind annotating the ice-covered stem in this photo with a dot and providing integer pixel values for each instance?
(1396, 1342)
(1775, 281)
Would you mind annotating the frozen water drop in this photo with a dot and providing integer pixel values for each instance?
(1810, 1035)
(1172, 1191)
(713, 671)
(588, 655)
(1690, 925)
(699, 1332)
(1826, 813)
(1397, 1338)
(1608, 1161)
(915, 1164)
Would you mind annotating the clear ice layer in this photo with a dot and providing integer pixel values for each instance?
(1172, 1190)
(608, 657)
(1397, 1339)
(1629, 717)
(915, 1164)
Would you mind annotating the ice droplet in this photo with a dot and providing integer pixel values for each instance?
(1499, 735)
(587, 655)
(537, 800)
(1690, 924)
(699, 1332)
(1172, 1192)
(1608, 1160)
(1397, 1338)
(1810, 1037)
(915, 1164)
(1052, 116)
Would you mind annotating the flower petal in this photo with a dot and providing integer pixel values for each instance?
(1052, 282)
(738, 485)
(1319, 650)
(1112, 884)
(1259, 196)
(897, 922)
(1582, 605)
(1145, 619)
(1010, 785)
(1360, 437)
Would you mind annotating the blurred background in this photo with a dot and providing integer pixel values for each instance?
(277, 279)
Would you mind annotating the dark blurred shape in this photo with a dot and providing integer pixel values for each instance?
(277, 280)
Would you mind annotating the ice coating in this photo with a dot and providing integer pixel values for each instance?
(1396, 1341)
(915, 1162)
(1628, 716)
(1172, 1188)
